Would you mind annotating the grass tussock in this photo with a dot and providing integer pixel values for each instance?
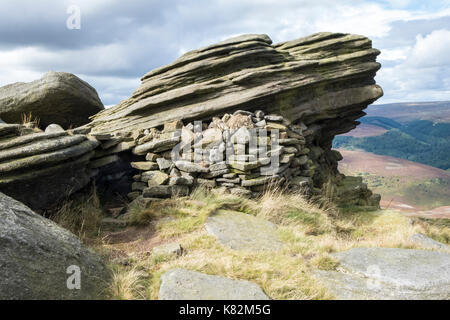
(81, 215)
(311, 231)
(128, 284)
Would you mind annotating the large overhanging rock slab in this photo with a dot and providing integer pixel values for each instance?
(240, 231)
(325, 76)
(180, 284)
(58, 97)
(37, 258)
(390, 273)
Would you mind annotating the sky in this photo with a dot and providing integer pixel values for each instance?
(112, 43)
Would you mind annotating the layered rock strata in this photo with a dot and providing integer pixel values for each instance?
(41, 168)
(319, 83)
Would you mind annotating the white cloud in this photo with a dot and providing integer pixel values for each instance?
(432, 50)
(120, 41)
(424, 74)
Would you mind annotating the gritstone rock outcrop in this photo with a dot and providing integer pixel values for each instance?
(39, 168)
(314, 87)
(58, 97)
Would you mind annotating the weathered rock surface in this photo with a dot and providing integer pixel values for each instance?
(320, 78)
(427, 242)
(242, 231)
(180, 284)
(319, 84)
(35, 254)
(40, 169)
(58, 97)
(390, 273)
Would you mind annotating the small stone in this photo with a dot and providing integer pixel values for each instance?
(240, 192)
(111, 143)
(164, 164)
(157, 192)
(261, 124)
(287, 158)
(427, 242)
(181, 181)
(228, 185)
(145, 165)
(275, 126)
(290, 149)
(214, 174)
(236, 180)
(51, 128)
(257, 181)
(230, 175)
(180, 191)
(303, 160)
(175, 173)
(157, 145)
(259, 114)
(151, 156)
(154, 177)
(275, 118)
(300, 181)
(206, 183)
(138, 186)
(290, 141)
(168, 249)
(173, 126)
(123, 146)
(190, 166)
(244, 166)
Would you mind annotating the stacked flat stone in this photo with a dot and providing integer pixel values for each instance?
(324, 81)
(40, 168)
(242, 153)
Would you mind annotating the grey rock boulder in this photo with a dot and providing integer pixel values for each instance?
(180, 284)
(427, 242)
(240, 231)
(35, 255)
(389, 273)
(58, 97)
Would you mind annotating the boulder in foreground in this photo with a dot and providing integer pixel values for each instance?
(35, 255)
(180, 284)
(390, 274)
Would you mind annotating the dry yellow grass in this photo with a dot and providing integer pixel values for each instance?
(81, 215)
(309, 231)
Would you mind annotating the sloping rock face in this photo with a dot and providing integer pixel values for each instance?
(326, 79)
(39, 168)
(180, 284)
(390, 273)
(240, 231)
(319, 84)
(58, 97)
(36, 255)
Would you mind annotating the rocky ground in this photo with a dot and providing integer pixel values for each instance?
(276, 247)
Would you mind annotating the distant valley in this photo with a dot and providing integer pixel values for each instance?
(402, 151)
(415, 132)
